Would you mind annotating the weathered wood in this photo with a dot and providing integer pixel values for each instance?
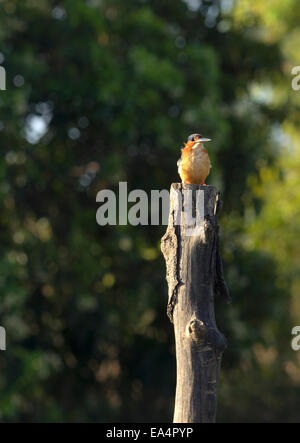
(195, 276)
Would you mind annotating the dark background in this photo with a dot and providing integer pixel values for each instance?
(102, 91)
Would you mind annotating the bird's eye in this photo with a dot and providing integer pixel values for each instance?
(194, 137)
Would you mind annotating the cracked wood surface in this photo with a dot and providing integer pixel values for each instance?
(195, 276)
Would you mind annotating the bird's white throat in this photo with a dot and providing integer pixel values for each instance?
(197, 145)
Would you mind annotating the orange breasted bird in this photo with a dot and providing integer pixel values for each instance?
(194, 164)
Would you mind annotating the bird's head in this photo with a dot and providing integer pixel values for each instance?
(195, 140)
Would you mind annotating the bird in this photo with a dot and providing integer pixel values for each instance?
(194, 164)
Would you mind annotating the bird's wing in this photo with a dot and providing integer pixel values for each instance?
(179, 161)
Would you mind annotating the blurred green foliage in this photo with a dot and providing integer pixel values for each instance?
(102, 91)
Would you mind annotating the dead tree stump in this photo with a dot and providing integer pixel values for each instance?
(195, 276)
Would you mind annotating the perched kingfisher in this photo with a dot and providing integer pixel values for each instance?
(194, 164)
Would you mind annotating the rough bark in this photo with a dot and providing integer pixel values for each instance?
(195, 276)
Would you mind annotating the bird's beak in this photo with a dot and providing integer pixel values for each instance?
(203, 139)
(200, 140)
